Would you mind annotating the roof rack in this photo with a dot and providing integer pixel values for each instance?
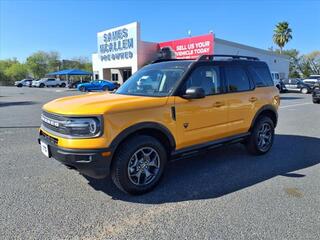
(211, 57)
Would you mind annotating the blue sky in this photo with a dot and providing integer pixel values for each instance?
(70, 27)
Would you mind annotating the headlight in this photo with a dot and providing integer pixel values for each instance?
(82, 127)
(78, 127)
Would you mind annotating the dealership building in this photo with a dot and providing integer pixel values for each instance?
(121, 52)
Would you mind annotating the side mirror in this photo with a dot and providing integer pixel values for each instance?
(194, 93)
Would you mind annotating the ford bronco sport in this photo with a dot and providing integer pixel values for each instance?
(166, 110)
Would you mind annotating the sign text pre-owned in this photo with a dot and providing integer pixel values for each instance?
(117, 45)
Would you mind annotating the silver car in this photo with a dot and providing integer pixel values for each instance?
(23, 83)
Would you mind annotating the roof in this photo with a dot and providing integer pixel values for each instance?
(70, 72)
(238, 45)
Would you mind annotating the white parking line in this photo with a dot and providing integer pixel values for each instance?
(295, 105)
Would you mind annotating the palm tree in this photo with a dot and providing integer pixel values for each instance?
(282, 34)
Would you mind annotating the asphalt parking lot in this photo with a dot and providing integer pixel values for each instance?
(225, 194)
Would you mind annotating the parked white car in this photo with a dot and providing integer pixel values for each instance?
(49, 82)
(23, 83)
(312, 79)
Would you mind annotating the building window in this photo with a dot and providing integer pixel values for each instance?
(114, 77)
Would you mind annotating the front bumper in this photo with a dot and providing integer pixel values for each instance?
(93, 163)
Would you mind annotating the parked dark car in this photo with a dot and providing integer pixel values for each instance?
(316, 93)
(311, 82)
(297, 85)
(282, 87)
(76, 83)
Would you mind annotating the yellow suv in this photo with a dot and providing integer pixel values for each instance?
(168, 109)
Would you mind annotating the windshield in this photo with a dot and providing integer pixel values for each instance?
(155, 80)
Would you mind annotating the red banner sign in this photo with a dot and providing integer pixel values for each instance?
(192, 47)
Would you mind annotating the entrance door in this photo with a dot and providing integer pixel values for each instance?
(206, 119)
(126, 74)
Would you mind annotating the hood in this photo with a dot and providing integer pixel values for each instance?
(100, 103)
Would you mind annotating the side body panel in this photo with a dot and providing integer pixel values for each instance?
(244, 106)
(201, 120)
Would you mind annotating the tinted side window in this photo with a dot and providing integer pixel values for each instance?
(206, 77)
(261, 76)
(286, 81)
(237, 79)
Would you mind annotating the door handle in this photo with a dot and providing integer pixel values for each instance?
(253, 99)
(218, 104)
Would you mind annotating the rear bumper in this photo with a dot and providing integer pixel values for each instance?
(88, 162)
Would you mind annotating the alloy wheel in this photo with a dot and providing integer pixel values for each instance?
(304, 90)
(144, 166)
(265, 137)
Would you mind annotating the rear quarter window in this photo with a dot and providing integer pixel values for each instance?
(261, 76)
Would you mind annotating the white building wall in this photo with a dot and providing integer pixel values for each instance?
(133, 31)
(276, 62)
(97, 66)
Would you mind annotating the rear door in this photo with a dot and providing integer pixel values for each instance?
(241, 97)
(51, 82)
(293, 85)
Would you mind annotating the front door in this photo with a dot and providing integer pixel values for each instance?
(202, 120)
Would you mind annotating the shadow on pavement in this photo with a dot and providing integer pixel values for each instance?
(224, 171)
(290, 98)
(23, 103)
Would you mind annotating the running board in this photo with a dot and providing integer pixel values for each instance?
(196, 149)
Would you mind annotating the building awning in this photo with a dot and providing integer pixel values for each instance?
(70, 72)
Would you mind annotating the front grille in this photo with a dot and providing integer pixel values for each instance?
(49, 138)
(53, 122)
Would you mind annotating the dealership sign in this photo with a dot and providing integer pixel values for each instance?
(192, 47)
(118, 43)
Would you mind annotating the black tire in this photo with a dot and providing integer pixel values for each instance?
(63, 85)
(315, 101)
(105, 88)
(19, 85)
(82, 89)
(41, 85)
(253, 143)
(120, 171)
(304, 90)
